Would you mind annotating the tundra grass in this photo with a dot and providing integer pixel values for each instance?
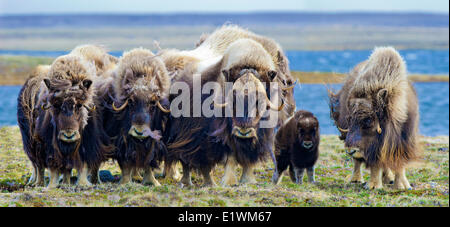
(429, 178)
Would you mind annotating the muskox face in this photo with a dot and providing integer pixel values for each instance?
(308, 129)
(141, 103)
(363, 120)
(250, 102)
(68, 103)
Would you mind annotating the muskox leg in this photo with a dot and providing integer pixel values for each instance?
(311, 178)
(40, 179)
(375, 181)
(401, 182)
(34, 174)
(171, 171)
(277, 176)
(228, 175)
(83, 172)
(299, 172)
(136, 175)
(95, 177)
(279, 169)
(247, 175)
(54, 178)
(388, 176)
(292, 173)
(207, 179)
(66, 176)
(149, 177)
(186, 179)
(126, 174)
(357, 171)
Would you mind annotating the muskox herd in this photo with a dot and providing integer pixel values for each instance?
(228, 101)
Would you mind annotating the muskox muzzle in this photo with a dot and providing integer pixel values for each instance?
(139, 131)
(307, 144)
(354, 152)
(69, 136)
(142, 132)
(244, 133)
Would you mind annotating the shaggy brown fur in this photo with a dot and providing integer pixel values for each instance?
(58, 121)
(99, 55)
(297, 147)
(139, 83)
(377, 112)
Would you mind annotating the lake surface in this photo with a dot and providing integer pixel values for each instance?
(433, 104)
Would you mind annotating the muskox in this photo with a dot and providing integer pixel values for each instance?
(376, 112)
(297, 147)
(211, 48)
(59, 123)
(135, 109)
(202, 142)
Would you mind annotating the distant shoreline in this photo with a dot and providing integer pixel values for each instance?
(14, 70)
(335, 78)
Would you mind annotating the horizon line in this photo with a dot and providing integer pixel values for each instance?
(337, 12)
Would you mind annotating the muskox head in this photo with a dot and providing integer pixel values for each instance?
(250, 102)
(142, 84)
(69, 97)
(377, 101)
(270, 67)
(307, 130)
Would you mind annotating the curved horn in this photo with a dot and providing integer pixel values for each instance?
(45, 106)
(273, 107)
(342, 130)
(162, 108)
(379, 130)
(121, 107)
(290, 87)
(93, 108)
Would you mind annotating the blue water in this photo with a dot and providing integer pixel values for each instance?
(418, 61)
(433, 104)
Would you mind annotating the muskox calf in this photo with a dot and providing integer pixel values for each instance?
(297, 147)
(376, 112)
(58, 121)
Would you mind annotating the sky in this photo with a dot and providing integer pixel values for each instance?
(211, 6)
